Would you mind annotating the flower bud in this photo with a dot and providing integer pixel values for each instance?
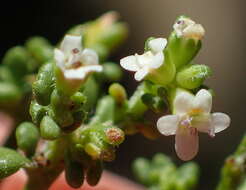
(112, 72)
(192, 76)
(49, 129)
(40, 48)
(184, 41)
(10, 162)
(118, 92)
(27, 136)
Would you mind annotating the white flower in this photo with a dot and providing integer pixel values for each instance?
(74, 61)
(188, 28)
(144, 64)
(191, 114)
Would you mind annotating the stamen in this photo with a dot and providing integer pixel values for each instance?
(77, 64)
(75, 50)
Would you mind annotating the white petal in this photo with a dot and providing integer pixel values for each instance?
(71, 42)
(59, 58)
(157, 61)
(158, 44)
(203, 123)
(186, 143)
(203, 101)
(139, 75)
(220, 121)
(89, 57)
(130, 63)
(183, 102)
(82, 72)
(167, 125)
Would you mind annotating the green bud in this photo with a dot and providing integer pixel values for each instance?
(44, 85)
(94, 173)
(192, 76)
(112, 72)
(37, 112)
(9, 93)
(27, 136)
(10, 162)
(141, 168)
(40, 48)
(118, 92)
(17, 59)
(74, 173)
(49, 129)
(78, 99)
(104, 110)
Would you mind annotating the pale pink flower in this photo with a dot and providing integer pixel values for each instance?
(191, 115)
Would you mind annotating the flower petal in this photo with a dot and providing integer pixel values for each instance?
(183, 102)
(139, 75)
(186, 143)
(59, 58)
(130, 63)
(82, 72)
(158, 44)
(167, 125)
(70, 43)
(157, 60)
(89, 57)
(203, 123)
(220, 121)
(203, 101)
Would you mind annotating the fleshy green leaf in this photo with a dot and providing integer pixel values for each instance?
(192, 76)
(10, 162)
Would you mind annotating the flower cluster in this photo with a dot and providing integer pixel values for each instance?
(191, 113)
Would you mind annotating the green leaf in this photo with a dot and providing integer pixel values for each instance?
(74, 172)
(27, 136)
(40, 48)
(193, 76)
(94, 173)
(10, 162)
(44, 85)
(49, 129)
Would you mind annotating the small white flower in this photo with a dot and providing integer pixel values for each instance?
(74, 61)
(188, 28)
(191, 114)
(145, 63)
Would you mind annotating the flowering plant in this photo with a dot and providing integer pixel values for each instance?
(75, 126)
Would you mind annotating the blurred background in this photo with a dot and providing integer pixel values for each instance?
(224, 49)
